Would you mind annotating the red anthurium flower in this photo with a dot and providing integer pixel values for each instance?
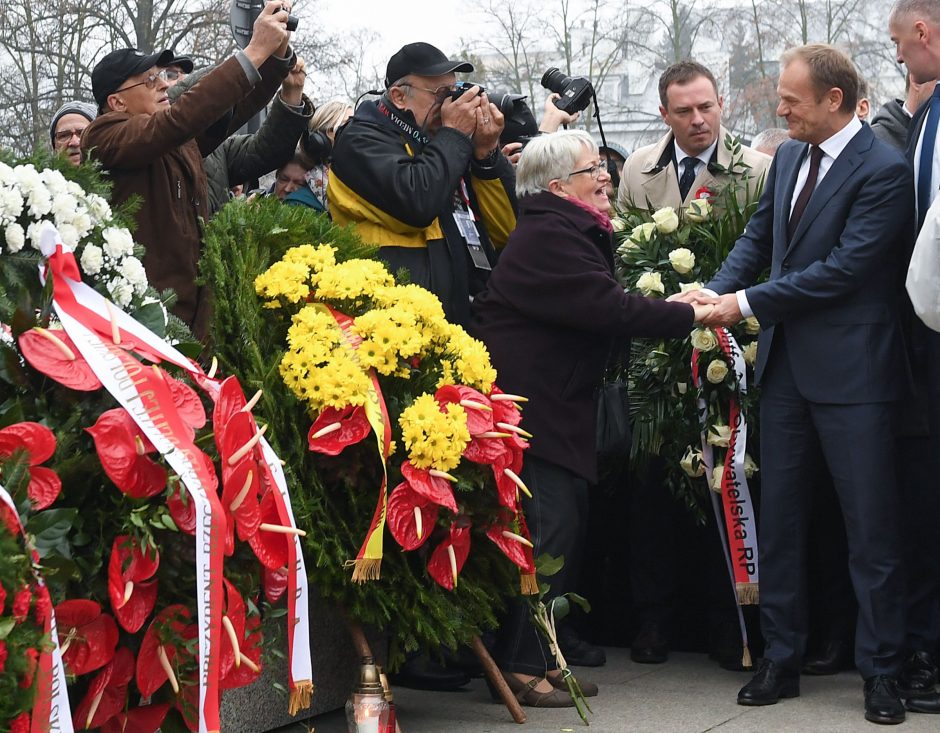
(145, 719)
(274, 583)
(250, 668)
(406, 507)
(182, 510)
(38, 442)
(504, 410)
(507, 469)
(158, 650)
(122, 449)
(515, 545)
(240, 487)
(107, 693)
(132, 599)
(449, 557)
(529, 567)
(477, 406)
(270, 547)
(54, 354)
(334, 429)
(430, 484)
(187, 402)
(229, 401)
(87, 637)
(233, 628)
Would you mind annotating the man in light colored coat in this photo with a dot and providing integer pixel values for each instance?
(690, 160)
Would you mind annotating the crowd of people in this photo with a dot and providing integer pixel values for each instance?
(515, 238)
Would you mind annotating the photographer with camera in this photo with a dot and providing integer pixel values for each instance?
(420, 173)
(520, 122)
(155, 151)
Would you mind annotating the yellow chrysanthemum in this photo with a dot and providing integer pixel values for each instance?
(351, 280)
(469, 359)
(283, 281)
(432, 437)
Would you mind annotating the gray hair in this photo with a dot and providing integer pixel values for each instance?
(923, 9)
(548, 157)
(770, 139)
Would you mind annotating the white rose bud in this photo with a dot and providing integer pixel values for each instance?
(718, 473)
(717, 371)
(687, 287)
(719, 435)
(751, 325)
(682, 260)
(651, 282)
(699, 210)
(618, 224)
(750, 353)
(750, 467)
(682, 387)
(666, 220)
(15, 237)
(643, 232)
(704, 339)
(692, 463)
(91, 259)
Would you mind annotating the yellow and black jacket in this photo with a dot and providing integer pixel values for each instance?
(400, 188)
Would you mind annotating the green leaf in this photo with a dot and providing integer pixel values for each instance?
(546, 565)
(580, 601)
(6, 626)
(559, 607)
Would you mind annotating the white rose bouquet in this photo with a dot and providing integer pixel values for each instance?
(665, 251)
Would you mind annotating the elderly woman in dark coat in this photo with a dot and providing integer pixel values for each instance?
(549, 315)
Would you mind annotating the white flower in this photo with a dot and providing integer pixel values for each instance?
(750, 353)
(82, 222)
(64, 209)
(750, 467)
(618, 224)
(682, 387)
(692, 463)
(133, 271)
(699, 210)
(687, 287)
(651, 282)
(682, 260)
(719, 435)
(751, 325)
(717, 371)
(718, 473)
(33, 234)
(55, 181)
(704, 339)
(98, 207)
(15, 237)
(642, 232)
(117, 243)
(69, 235)
(91, 259)
(11, 203)
(121, 291)
(666, 220)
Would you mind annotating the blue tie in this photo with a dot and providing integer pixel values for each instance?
(928, 143)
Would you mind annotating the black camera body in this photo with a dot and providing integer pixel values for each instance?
(463, 86)
(243, 15)
(576, 91)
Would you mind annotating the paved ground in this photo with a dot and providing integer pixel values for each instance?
(689, 694)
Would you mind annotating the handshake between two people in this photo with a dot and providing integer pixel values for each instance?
(714, 311)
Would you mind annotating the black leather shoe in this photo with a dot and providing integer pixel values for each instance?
(423, 673)
(924, 704)
(836, 656)
(650, 646)
(580, 653)
(882, 701)
(769, 685)
(918, 676)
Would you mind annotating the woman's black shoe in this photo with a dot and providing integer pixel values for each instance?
(769, 685)
(836, 656)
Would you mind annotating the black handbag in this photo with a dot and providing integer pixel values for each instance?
(613, 418)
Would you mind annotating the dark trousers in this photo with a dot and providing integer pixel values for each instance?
(856, 443)
(557, 515)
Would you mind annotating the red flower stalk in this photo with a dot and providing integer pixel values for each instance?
(449, 557)
(54, 354)
(410, 516)
(335, 429)
(38, 442)
(159, 650)
(122, 449)
(87, 637)
(132, 599)
(107, 693)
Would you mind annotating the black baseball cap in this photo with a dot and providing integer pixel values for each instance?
(421, 59)
(184, 62)
(119, 66)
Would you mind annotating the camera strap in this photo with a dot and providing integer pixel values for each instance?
(410, 130)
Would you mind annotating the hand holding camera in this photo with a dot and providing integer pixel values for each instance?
(270, 31)
(459, 108)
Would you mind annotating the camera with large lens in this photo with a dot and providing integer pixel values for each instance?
(576, 91)
(243, 15)
(519, 122)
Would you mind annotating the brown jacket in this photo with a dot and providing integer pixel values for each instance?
(650, 174)
(159, 158)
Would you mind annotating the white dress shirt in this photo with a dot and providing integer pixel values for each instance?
(701, 160)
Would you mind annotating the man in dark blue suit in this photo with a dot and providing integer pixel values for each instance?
(831, 363)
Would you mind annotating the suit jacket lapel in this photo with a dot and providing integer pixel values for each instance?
(843, 167)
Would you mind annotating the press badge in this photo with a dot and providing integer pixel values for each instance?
(468, 229)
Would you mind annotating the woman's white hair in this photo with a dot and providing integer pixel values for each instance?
(328, 116)
(551, 156)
